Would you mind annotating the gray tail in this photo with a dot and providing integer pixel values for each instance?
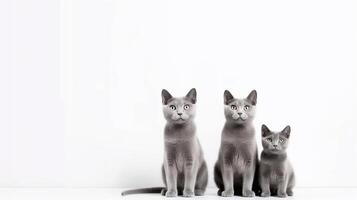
(143, 190)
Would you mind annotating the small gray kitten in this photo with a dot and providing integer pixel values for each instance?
(235, 171)
(276, 173)
(184, 171)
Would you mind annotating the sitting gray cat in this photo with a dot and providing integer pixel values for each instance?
(276, 173)
(235, 172)
(184, 171)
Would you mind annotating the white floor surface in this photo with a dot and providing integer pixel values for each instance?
(114, 193)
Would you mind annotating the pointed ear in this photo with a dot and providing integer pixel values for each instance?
(265, 131)
(228, 97)
(166, 96)
(286, 132)
(191, 95)
(252, 97)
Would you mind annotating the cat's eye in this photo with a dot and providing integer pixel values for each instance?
(269, 139)
(173, 107)
(281, 140)
(233, 107)
(246, 107)
(186, 107)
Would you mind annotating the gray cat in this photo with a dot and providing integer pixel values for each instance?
(276, 173)
(235, 171)
(184, 171)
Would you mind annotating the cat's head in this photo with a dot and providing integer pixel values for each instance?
(240, 111)
(275, 142)
(179, 110)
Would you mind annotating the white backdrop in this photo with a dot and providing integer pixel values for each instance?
(81, 102)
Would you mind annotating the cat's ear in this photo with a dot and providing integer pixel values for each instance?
(191, 95)
(286, 132)
(166, 96)
(227, 97)
(265, 131)
(252, 97)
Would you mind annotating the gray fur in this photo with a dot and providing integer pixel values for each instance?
(276, 173)
(235, 169)
(184, 170)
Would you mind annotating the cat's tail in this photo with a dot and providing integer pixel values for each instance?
(143, 190)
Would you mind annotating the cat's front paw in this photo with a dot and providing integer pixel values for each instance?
(290, 192)
(199, 192)
(282, 194)
(228, 193)
(171, 193)
(163, 192)
(248, 193)
(265, 194)
(188, 193)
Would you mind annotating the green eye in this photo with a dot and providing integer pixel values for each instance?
(173, 107)
(233, 107)
(186, 107)
(281, 140)
(246, 107)
(269, 139)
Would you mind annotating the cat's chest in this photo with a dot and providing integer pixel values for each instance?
(240, 150)
(240, 143)
(276, 176)
(181, 151)
(241, 155)
(274, 170)
(181, 154)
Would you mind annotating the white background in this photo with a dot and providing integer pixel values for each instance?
(81, 82)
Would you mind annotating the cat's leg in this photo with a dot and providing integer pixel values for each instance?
(201, 180)
(289, 191)
(265, 186)
(264, 180)
(218, 178)
(248, 177)
(227, 175)
(291, 183)
(282, 184)
(256, 185)
(163, 191)
(190, 171)
(171, 178)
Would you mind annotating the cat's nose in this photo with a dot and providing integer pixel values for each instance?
(240, 113)
(179, 114)
(275, 145)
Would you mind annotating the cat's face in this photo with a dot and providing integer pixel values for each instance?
(179, 110)
(240, 111)
(275, 142)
